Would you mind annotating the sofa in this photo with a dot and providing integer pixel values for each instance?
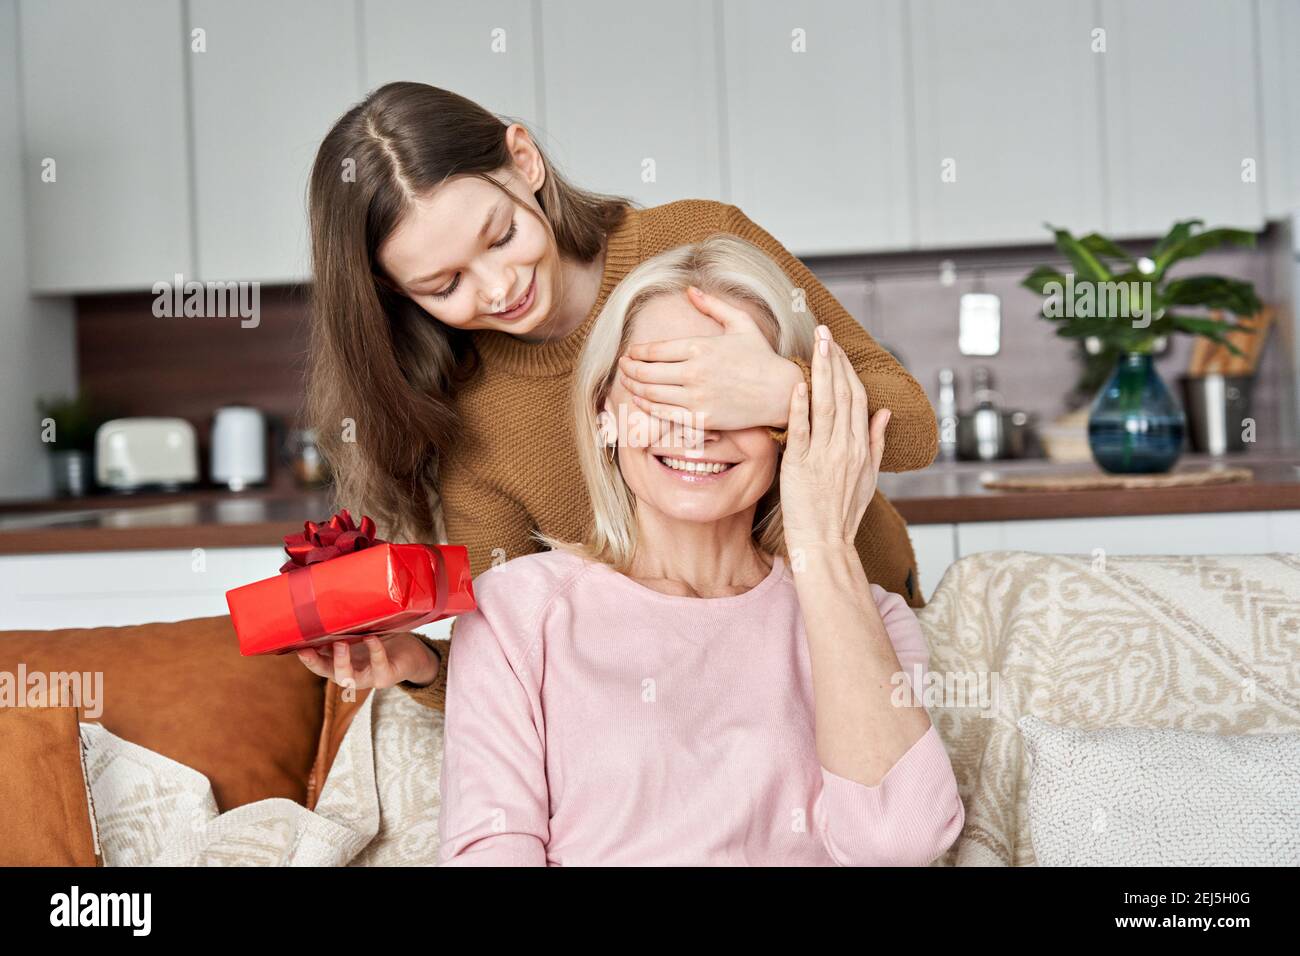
(1162, 694)
(183, 752)
(1074, 693)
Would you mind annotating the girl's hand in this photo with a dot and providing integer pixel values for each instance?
(831, 462)
(381, 660)
(728, 381)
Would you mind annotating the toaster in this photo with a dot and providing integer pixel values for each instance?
(136, 453)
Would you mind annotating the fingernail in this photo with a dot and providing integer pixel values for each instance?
(824, 345)
(823, 332)
(888, 415)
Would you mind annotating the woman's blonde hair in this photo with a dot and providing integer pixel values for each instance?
(721, 265)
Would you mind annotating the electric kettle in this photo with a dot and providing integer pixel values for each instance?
(238, 447)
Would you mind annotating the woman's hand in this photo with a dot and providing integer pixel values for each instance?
(381, 660)
(728, 381)
(832, 459)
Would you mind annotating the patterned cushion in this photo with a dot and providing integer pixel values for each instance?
(1133, 797)
(1195, 643)
(378, 806)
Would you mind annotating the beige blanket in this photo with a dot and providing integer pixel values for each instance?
(1195, 643)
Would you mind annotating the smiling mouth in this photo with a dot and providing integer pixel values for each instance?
(686, 469)
(525, 301)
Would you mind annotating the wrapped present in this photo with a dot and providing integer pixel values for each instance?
(341, 583)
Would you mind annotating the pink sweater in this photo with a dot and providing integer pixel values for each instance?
(593, 721)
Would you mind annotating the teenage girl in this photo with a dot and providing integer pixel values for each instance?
(456, 277)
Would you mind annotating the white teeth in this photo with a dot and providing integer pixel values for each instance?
(695, 467)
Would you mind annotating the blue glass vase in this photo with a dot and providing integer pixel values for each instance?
(1135, 423)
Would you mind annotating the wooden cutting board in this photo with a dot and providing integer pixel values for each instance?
(1209, 357)
(1081, 482)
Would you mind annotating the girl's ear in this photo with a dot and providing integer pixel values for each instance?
(526, 157)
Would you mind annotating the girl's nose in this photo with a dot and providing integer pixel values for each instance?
(493, 297)
(499, 291)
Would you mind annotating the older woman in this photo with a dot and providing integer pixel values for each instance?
(709, 678)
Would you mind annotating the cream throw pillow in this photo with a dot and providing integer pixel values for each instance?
(1131, 797)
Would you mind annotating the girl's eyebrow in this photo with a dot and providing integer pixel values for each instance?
(487, 224)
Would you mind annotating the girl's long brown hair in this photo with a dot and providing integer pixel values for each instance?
(381, 372)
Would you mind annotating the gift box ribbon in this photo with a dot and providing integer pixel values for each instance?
(330, 539)
(325, 541)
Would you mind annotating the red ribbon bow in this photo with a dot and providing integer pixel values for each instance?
(332, 539)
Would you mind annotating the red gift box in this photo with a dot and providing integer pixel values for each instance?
(342, 583)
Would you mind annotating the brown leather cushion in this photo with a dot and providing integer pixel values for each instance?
(44, 811)
(251, 725)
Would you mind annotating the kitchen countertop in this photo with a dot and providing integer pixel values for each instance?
(953, 492)
(942, 493)
(211, 518)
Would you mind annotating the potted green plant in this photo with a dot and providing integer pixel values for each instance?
(68, 427)
(1127, 303)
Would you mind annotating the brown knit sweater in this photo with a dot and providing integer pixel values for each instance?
(515, 467)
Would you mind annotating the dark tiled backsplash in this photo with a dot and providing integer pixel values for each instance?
(187, 367)
(903, 303)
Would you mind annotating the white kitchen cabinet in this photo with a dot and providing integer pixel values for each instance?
(819, 178)
(1246, 532)
(1284, 531)
(105, 168)
(630, 97)
(271, 83)
(840, 128)
(119, 588)
(485, 51)
(1279, 38)
(1005, 109)
(935, 546)
(101, 589)
(1179, 93)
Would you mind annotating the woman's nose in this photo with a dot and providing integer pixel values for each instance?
(698, 438)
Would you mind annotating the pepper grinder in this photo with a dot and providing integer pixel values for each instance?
(947, 414)
(986, 418)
